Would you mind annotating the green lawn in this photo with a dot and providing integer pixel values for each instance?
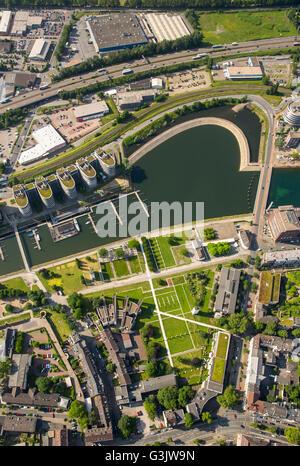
(224, 28)
(222, 345)
(60, 325)
(107, 271)
(16, 283)
(218, 370)
(185, 368)
(68, 275)
(166, 251)
(177, 335)
(121, 268)
(135, 265)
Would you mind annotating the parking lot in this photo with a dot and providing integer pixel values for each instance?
(7, 137)
(183, 82)
(79, 47)
(278, 70)
(70, 129)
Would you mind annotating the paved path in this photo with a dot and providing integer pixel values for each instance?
(27, 268)
(157, 310)
(237, 132)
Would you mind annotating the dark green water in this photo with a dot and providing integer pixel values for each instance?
(285, 187)
(200, 164)
(13, 260)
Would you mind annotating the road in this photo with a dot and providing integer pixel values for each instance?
(225, 426)
(34, 96)
(20, 141)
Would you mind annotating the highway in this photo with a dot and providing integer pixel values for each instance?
(34, 96)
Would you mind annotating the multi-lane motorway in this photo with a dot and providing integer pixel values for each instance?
(70, 84)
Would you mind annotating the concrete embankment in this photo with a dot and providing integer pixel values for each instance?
(236, 131)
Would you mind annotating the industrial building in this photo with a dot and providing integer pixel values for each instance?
(157, 83)
(164, 26)
(243, 72)
(227, 292)
(133, 100)
(19, 26)
(115, 32)
(40, 50)
(292, 113)
(18, 79)
(284, 223)
(90, 111)
(5, 22)
(48, 141)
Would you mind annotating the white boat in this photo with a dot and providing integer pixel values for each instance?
(87, 222)
(76, 225)
(38, 237)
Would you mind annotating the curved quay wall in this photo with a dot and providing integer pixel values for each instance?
(236, 131)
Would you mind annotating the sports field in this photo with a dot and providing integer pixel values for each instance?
(225, 28)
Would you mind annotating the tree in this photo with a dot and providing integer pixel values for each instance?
(209, 233)
(43, 384)
(282, 333)
(9, 308)
(119, 252)
(102, 252)
(237, 323)
(127, 426)
(258, 326)
(292, 435)
(296, 332)
(133, 243)
(271, 328)
(206, 417)
(5, 367)
(168, 397)
(151, 407)
(77, 410)
(229, 398)
(219, 249)
(110, 367)
(188, 418)
(185, 394)
(196, 362)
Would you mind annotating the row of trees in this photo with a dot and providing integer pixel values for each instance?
(148, 50)
(64, 39)
(153, 4)
(149, 254)
(102, 85)
(166, 120)
(12, 117)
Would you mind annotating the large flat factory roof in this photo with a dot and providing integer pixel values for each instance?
(116, 31)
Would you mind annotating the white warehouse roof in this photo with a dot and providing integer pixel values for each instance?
(157, 83)
(39, 50)
(91, 109)
(48, 140)
(5, 21)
